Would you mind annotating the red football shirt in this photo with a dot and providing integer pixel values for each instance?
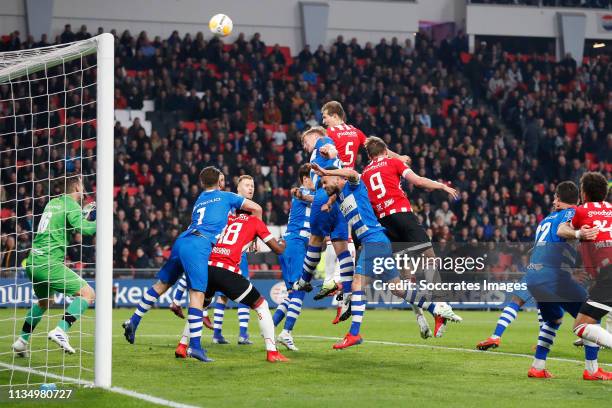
(598, 253)
(240, 231)
(347, 139)
(382, 178)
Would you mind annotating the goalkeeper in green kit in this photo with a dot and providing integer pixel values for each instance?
(45, 266)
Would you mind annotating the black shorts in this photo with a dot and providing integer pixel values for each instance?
(405, 232)
(599, 302)
(231, 284)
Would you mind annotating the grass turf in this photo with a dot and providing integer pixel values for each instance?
(372, 374)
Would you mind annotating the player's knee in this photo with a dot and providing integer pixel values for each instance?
(45, 303)
(88, 294)
(222, 300)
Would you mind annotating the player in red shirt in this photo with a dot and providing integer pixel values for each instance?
(347, 140)
(596, 212)
(382, 177)
(224, 276)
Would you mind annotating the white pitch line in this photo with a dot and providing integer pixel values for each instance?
(414, 345)
(117, 390)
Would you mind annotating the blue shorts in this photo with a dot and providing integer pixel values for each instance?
(244, 265)
(524, 295)
(190, 254)
(376, 258)
(327, 223)
(556, 292)
(292, 259)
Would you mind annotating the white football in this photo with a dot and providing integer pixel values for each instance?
(221, 25)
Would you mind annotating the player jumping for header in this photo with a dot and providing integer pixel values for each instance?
(354, 204)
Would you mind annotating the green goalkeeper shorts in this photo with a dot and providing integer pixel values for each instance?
(50, 276)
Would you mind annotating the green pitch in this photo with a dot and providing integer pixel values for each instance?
(394, 367)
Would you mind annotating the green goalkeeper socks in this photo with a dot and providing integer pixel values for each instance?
(74, 311)
(33, 317)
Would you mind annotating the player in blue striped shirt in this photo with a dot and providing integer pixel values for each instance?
(296, 238)
(325, 220)
(352, 198)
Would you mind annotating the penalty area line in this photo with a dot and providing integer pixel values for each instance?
(116, 390)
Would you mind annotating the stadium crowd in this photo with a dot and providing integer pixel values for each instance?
(503, 129)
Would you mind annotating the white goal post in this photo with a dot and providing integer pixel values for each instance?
(16, 65)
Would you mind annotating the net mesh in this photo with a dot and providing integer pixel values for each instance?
(47, 135)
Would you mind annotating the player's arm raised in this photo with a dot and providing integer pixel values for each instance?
(252, 207)
(299, 194)
(77, 220)
(329, 151)
(424, 182)
(404, 158)
(350, 174)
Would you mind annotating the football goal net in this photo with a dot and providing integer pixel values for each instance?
(56, 163)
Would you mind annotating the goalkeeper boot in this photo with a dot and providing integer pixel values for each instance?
(327, 289)
(276, 357)
(286, 339)
(219, 340)
(177, 310)
(489, 343)
(599, 375)
(129, 331)
(348, 341)
(20, 347)
(59, 337)
(244, 341)
(424, 327)
(207, 323)
(180, 351)
(301, 284)
(536, 373)
(199, 354)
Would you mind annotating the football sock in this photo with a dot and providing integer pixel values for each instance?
(591, 350)
(294, 309)
(243, 319)
(311, 260)
(546, 338)
(194, 318)
(78, 306)
(540, 320)
(281, 311)
(594, 333)
(219, 312)
(33, 317)
(347, 269)
(185, 337)
(265, 324)
(181, 286)
(146, 303)
(419, 300)
(357, 309)
(507, 316)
